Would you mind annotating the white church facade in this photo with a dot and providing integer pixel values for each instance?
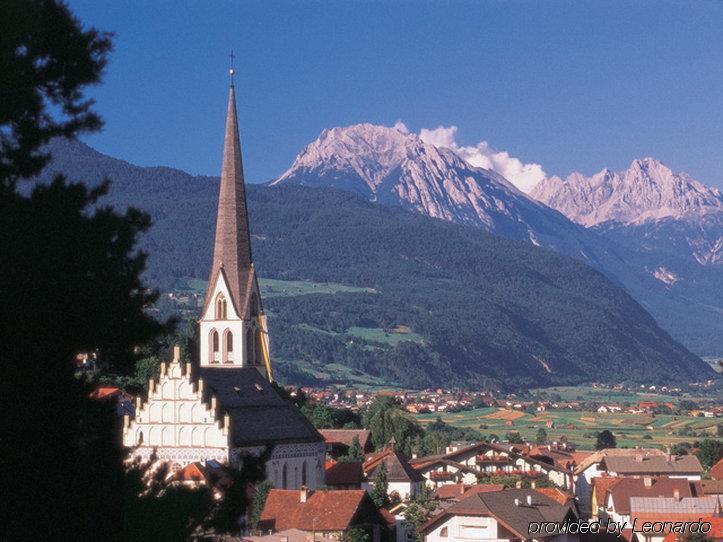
(226, 407)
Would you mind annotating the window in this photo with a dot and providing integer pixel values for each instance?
(213, 347)
(444, 533)
(220, 307)
(228, 343)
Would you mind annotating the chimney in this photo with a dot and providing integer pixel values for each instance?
(529, 500)
(461, 489)
(648, 481)
(303, 494)
(676, 494)
(518, 484)
(533, 484)
(517, 502)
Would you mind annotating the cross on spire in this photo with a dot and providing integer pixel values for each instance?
(231, 70)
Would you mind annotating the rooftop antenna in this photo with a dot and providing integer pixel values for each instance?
(231, 71)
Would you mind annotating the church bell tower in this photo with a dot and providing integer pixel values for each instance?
(233, 326)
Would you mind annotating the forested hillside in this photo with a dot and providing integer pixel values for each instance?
(479, 309)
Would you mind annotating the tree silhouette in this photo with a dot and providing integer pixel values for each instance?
(380, 492)
(605, 439)
(70, 282)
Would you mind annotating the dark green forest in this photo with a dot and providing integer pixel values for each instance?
(491, 311)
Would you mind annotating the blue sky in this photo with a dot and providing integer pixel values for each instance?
(568, 85)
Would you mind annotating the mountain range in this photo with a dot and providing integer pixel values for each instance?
(478, 309)
(656, 233)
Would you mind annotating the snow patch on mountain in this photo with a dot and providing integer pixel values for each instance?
(663, 275)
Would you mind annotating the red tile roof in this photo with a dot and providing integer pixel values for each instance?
(715, 533)
(323, 510)
(457, 491)
(562, 497)
(601, 485)
(626, 488)
(716, 471)
(344, 474)
(103, 392)
(346, 436)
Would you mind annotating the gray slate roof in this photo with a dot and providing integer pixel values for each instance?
(657, 464)
(705, 506)
(516, 517)
(258, 414)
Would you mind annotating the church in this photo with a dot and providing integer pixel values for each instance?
(226, 407)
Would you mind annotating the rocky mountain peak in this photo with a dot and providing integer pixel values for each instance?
(393, 166)
(647, 190)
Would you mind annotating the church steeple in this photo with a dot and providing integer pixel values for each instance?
(232, 323)
(232, 248)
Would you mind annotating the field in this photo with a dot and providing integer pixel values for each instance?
(391, 337)
(580, 427)
(279, 288)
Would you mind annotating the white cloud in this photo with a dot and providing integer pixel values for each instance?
(523, 176)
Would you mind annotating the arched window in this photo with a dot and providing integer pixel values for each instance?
(444, 533)
(140, 437)
(213, 346)
(228, 346)
(220, 307)
(303, 473)
(284, 477)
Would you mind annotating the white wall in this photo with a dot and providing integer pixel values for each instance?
(466, 529)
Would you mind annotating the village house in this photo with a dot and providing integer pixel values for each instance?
(716, 471)
(344, 475)
(658, 509)
(683, 466)
(404, 482)
(499, 516)
(338, 441)
(617, 504)
(491, 459)
(451, 493)
(592, 466)
(325, 512)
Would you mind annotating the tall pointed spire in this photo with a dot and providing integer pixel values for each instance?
(232, 248)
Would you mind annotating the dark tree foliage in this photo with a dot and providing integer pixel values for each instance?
(380, 491)
(260, 494)
(326, 417)
(69, 282)
(47, 59)
(709, 452)
(605, 439)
